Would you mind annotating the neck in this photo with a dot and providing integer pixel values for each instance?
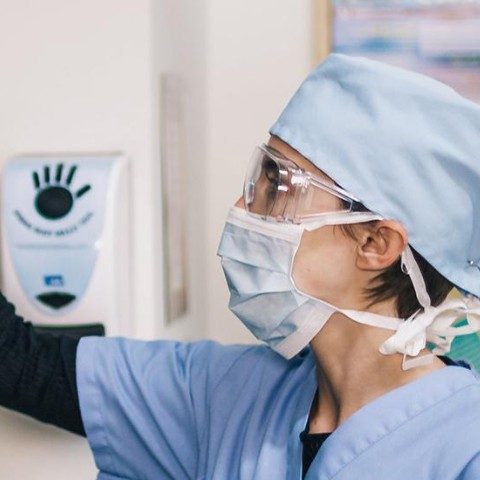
(351, 372)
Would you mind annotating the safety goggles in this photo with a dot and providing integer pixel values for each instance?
(276, 188)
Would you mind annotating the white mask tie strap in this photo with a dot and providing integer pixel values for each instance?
(434, 324)
(410, 266)
(410, 337)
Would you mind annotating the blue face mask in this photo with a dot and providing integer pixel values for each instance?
(257, 258)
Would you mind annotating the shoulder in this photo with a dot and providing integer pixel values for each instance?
(182, 359)
(471, 470)
(465, 393)
(459, 413)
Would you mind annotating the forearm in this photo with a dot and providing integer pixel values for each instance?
(37, 372)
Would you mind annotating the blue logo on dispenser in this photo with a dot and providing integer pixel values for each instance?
(53, 280)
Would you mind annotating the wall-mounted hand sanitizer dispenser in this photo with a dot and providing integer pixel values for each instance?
(65, 239)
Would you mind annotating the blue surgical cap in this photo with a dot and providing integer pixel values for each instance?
(406, 145)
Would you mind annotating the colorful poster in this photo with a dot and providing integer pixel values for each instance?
(437, 37)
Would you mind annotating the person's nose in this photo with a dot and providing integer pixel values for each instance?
(240, 203)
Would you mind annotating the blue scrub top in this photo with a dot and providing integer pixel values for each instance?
(204, 411)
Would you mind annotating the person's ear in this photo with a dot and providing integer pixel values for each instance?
(380, 245)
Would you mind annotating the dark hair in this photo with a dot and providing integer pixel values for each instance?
(392, 282)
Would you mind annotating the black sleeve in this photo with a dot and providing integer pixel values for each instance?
(37, 372)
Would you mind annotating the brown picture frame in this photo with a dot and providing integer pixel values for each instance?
(322, 29)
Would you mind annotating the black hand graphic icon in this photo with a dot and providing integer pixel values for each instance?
(54, 199)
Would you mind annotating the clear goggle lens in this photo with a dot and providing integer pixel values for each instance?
(277, 188)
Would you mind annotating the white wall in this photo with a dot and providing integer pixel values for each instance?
(75, 77)
(84, 76)
(179, 48)
(258, 52)
(81, 77)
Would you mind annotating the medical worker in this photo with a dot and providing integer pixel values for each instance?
(358, 217)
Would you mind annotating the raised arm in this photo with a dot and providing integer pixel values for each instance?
(37, 372)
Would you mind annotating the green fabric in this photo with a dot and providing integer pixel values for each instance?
(466, 347)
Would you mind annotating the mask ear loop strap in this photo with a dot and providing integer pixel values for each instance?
(411, 268)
